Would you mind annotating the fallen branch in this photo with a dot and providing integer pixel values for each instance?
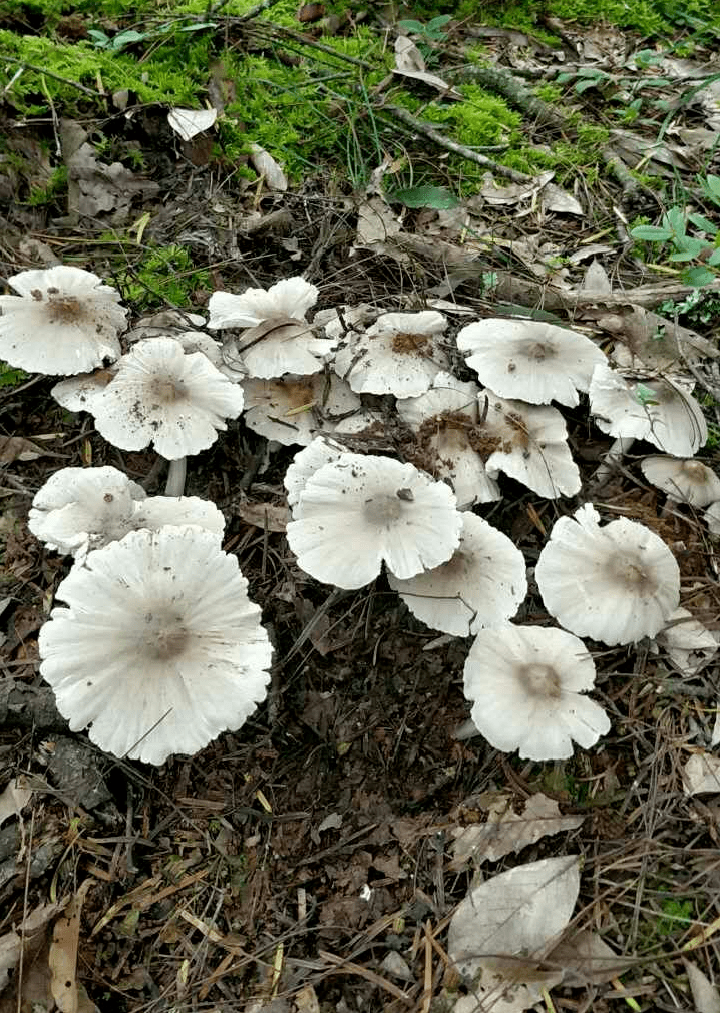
(459, 149)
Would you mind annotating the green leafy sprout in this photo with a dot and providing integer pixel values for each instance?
(673, 229)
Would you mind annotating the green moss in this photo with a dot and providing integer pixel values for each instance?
(52, 190)
(10, 377)
(164, 276)
(648, 17)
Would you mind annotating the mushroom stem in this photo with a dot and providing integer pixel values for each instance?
(611, 460)
(177, 472)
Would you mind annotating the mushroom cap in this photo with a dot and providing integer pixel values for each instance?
(527, 684)
(482, 584)
(306, 462)
(293, 410)
(712, 518)
(357, 512)
(685, 480)
(160, 648)
(160, 394)
(400, 354)
(689, 643)
(617, 583)
(289, 299)
(276, 347)
(530, 361)
(78, 392)
(662, 411)
(444, 421)
(79, 509)
(64, 321)
(531, 446)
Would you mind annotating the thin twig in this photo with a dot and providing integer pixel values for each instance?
(444, 142)
(55, 77)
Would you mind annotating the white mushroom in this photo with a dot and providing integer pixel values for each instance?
(290, 298)
(278, 340)
(162, 396)
(444, 421)
(617, 583)
(482, 584)
(662, 411)
(78, 392)
(306, 462)
(530, 361)
(183, 327)
(400, 354)
(688, 642)
(528, 443)
(712, 518)
(160, 648)
(294, 409)
(358, 512)
(64, 321)
(685, 480)
(79, 509)
(527, 685)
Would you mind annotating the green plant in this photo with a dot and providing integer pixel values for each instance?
(165, 275)
(676, 916)
(121, 40)
(10, 377)
(428, 34)
(673, 229)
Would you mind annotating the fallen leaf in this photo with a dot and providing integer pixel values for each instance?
(264, 515)
(14, 798)
(28, 938)
(701, 774)
(705, 994)
(587, 959)
(554, 198)
(376, 223)
(408, 57)
(512, 193)
(507, 925)
(17, 448)
(62, 958)
(188, 123)
(506, 831)
(596, 279)
(266, 166)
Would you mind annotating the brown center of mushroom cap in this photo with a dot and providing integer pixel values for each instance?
(540, 680)
(406, 344)
(383, 510)
(165, 634)
(696, 472)
(631, 574)
(539, 351)
(65, 309)
(168, 391)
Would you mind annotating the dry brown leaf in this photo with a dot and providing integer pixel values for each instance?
(705, 994)
(408, 58)
(506, 831)
(264, 515)
(505, 926)
(587, 959)
(62, 957)
(701, 774)
(14, 798)
(17, 448)
(266, 166)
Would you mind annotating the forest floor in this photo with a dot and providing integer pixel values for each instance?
(310, 860)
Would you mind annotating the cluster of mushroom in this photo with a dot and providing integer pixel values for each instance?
(305, 384)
